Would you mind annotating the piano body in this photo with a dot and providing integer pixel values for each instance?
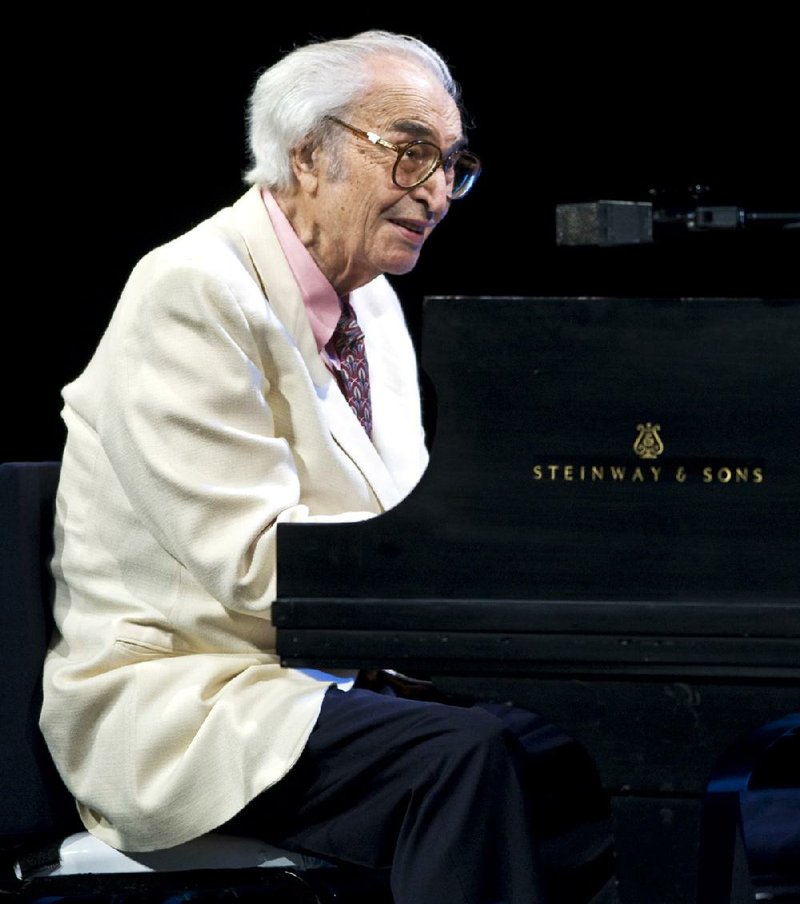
(608, 533)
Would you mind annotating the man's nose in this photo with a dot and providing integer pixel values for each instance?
(434, 194)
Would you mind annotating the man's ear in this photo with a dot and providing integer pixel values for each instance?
(305, 165)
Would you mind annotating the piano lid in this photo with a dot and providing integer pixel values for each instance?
(587, 451)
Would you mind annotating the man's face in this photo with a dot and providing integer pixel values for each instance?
(364, 224)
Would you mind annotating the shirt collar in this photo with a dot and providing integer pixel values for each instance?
(319, 297)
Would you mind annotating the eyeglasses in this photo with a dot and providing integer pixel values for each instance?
(418, 160)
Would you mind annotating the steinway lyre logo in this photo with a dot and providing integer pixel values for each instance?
(648, 443)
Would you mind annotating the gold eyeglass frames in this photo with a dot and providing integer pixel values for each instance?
(418, 160)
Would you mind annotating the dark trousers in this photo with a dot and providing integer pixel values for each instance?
(462, 804)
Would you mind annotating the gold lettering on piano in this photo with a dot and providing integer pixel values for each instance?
(648, 446)
(583, 473)
(666, 472)
(726, 474)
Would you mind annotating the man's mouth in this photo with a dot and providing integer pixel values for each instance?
(418, 227)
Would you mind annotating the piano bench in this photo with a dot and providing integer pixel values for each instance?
(215, 867)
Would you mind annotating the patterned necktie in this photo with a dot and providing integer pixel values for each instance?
(348, 342)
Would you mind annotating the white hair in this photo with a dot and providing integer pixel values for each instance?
(291, 99)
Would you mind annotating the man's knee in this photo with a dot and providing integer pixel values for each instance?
(470, 737)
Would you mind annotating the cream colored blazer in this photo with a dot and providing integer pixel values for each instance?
(205, 417)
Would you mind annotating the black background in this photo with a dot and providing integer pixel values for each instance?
(128, 128)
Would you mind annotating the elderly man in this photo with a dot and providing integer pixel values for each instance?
(258, 370)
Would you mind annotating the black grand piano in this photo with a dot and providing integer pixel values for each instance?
(608, 533)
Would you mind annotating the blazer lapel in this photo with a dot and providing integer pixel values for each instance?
(351, 438)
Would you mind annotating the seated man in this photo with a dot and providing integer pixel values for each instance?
(258, 370)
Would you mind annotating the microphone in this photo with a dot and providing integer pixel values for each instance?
(607, 223)
(604, 223)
